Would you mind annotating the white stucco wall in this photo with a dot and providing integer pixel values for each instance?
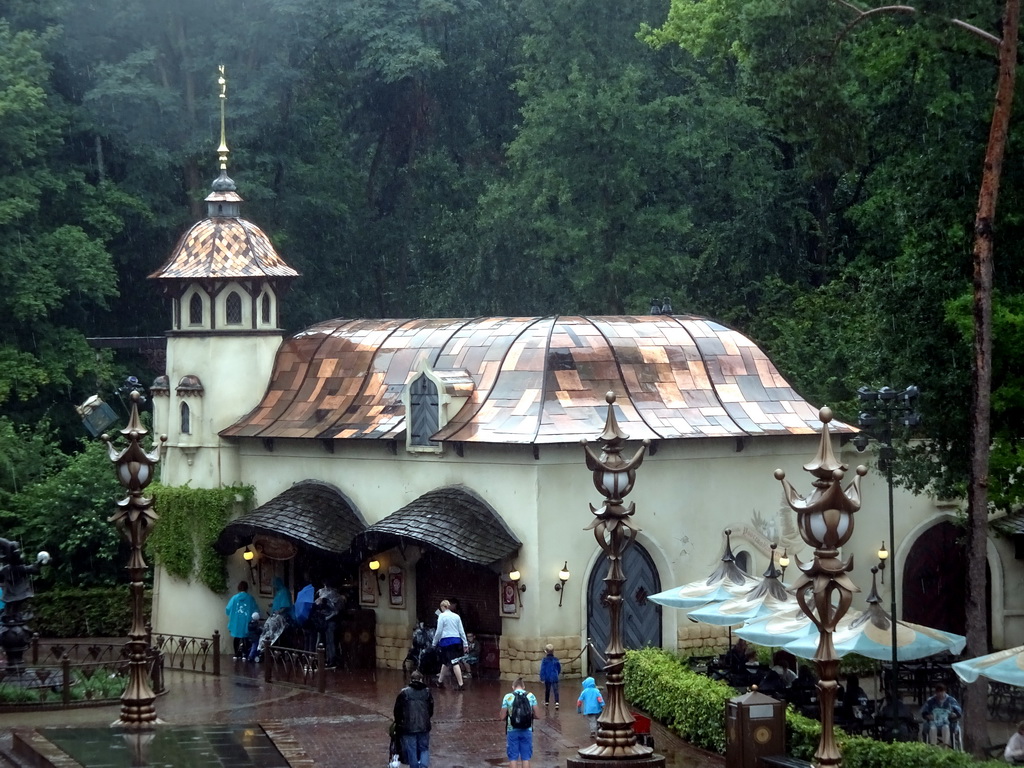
(685, 495)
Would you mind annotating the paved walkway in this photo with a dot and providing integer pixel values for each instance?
(347, 726)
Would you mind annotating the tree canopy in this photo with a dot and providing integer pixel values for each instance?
(781, 166)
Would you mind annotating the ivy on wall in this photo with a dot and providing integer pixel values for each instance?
(190, 521)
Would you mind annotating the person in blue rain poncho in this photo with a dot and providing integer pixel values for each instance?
(240, 609)
(282, 598)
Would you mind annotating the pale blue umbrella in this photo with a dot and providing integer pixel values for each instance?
(1002, 666)
(727, 581)
(785, 627)
(870, 635)
(768, 597)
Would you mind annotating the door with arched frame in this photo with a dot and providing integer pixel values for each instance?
(641, 619)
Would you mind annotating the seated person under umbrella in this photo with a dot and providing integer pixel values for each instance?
(941, 714)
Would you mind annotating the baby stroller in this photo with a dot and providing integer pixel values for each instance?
(422, 637)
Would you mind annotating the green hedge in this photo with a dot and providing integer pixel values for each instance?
(95, 612)
(693, 706)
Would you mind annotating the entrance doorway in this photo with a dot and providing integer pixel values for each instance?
(641, 619)
(935, 581)
(473, 591)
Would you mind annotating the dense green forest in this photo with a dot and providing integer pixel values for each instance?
(808, 180)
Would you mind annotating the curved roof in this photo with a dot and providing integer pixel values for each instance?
(224, 247)
(451, 520)
(310, 513)
(536, 380)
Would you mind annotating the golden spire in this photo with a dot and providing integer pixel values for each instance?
(222, 150)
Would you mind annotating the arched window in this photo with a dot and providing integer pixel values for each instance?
(265, 308)
(233, 309)
(743, 562)
(422, 421)
(195, 310)
(186, 419)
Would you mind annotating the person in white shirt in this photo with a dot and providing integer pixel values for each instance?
(450, 639)
(1014, 752)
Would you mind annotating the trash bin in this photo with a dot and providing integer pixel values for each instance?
(642, 729)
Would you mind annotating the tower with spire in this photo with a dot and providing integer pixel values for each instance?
(224, 280)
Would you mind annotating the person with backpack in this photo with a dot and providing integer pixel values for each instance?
(519, 710)
(413, 709)
(590, 704)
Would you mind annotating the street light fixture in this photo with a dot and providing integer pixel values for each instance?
(616, 745)
(784, 562)
(135, 519)
(883, 409)
(825, 521)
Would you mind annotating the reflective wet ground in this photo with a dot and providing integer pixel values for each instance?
(346, 726)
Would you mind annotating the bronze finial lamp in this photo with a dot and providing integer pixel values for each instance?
(135, 518)
(825, 522)
(614, 477)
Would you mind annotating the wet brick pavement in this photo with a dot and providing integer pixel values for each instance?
(348, 725)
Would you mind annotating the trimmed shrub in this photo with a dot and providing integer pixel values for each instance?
(693, 706)
(95, 612)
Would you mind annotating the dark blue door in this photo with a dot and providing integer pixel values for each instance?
(641, 619)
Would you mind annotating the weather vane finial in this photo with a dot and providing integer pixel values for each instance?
(222, 150)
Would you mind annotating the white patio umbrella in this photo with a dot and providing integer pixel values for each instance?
(870, 635)
(768, 597)
(727, 581)
(1002, 666)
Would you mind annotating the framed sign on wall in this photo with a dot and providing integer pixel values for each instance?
(396, 587)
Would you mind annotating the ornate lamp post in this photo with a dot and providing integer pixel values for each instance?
(882, 409)
(613, 477)
(825, 522)
(135, 518)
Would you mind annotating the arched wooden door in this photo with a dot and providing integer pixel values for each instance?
(641, 619)
(935, 581)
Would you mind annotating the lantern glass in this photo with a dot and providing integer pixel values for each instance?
(613, 483)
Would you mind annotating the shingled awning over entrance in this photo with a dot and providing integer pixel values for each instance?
(451, 520)
(310, 514)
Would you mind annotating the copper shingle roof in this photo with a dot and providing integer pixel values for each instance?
(310, 513)
(450, 519)
(536, 380)
(224, 247)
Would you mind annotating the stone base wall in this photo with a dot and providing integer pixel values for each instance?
(393, 643)
(521, 656)
(701, 639)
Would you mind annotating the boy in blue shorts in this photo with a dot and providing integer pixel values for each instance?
(519, 710)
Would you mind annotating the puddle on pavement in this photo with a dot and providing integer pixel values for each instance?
(227, 746)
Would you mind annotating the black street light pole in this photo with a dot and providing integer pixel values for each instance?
(883, 408)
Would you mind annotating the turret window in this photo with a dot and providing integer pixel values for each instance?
(186, 419)
(233, 309)
(265, 308)
(195, 310)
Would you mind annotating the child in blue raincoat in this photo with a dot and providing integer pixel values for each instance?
(240, 609)
(590, 704)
